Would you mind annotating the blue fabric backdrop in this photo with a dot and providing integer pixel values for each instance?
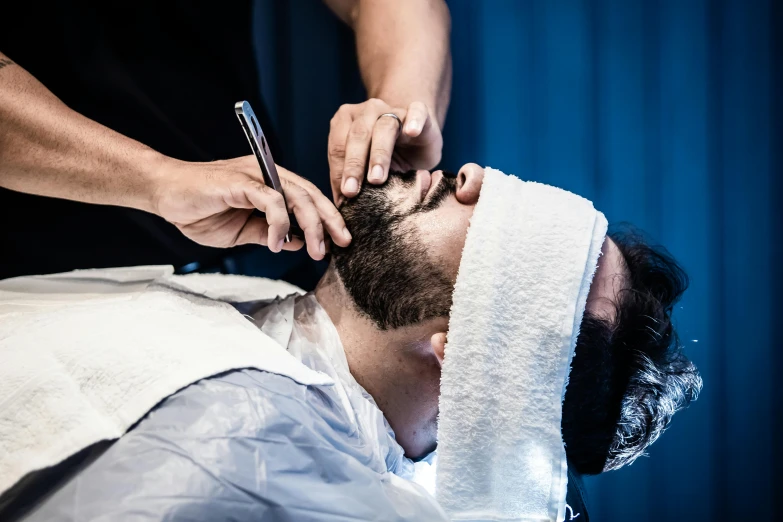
(668, 115)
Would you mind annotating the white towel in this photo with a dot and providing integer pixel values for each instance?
(85, 355)
(529, 258)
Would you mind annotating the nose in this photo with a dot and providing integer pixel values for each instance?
(469, 181)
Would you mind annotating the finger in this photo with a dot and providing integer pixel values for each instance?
(415, 120)
(255, 231)
(271, 203)
(384, 136)
(301, 204)
(330, 217)
(295, 244)
(338, 136)
(357, 148)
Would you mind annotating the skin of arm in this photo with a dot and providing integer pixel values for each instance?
(403, 50)
(405, 61)
(47, 149)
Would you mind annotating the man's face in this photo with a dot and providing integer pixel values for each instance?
(408, 236)
(400, 270)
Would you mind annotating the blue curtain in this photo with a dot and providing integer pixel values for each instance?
(667, 114)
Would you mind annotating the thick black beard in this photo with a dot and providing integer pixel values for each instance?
(386, 269)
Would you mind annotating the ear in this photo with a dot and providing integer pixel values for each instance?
(438, 342)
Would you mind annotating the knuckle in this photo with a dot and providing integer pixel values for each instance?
(359, 132)
(309, 187)
(298, 189)
(320, 200)
(337, 150)
(381, 152)
(277, 217)
(274, 196)
(313, 224)
(299, 199)
(354, 163)
(333, 215)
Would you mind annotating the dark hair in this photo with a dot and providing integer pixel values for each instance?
(628, 377)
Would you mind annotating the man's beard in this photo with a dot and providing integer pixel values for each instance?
(386, 269)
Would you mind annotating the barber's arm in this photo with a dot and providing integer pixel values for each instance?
(48, 149)
(405, 61)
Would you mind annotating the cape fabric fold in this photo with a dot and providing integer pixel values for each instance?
(87, 354)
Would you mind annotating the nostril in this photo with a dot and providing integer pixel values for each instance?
(461, 180)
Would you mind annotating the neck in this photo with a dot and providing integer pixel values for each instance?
(396, 367)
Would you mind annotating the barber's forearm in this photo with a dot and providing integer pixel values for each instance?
(404, 52)
(50, 150)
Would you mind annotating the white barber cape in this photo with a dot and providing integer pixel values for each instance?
(88, 354)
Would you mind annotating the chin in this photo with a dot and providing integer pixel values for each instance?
(421, 443)
(420, 452)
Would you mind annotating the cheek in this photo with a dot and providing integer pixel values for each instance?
(443, 232)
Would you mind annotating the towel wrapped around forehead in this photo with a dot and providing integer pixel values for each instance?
(529, 258)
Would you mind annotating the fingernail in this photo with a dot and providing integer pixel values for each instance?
(351, 185)
(413, 126)
(322, 248)
(347, 234)
(280, 244)
(376, 174)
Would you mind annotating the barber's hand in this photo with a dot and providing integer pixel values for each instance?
(361, 143)
(212, 204)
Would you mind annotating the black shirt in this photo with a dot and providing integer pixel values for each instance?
(166, 73)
